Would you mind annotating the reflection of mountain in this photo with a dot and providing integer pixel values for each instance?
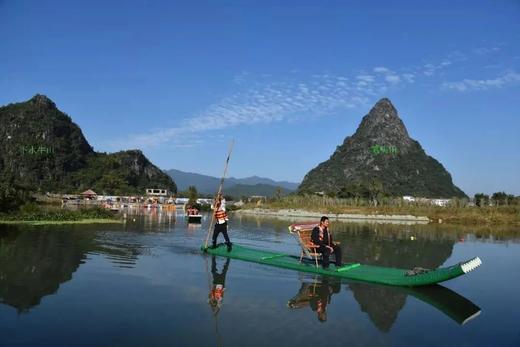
(382, 304)
(380, 246)
(34, 263)
(386, 246)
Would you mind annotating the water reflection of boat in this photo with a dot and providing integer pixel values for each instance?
(195, 218)
(193, 226)
(454, 305)
(383, 303)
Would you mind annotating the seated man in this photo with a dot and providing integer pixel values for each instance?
(322, 297)
(322, 238)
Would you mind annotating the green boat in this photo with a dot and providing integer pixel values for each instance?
(353, 271)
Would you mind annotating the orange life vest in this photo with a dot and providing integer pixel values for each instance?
(217, 293)
(219, 214)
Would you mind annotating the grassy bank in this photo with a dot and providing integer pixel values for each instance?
(35, 215)
(453, 214)
(48, 222)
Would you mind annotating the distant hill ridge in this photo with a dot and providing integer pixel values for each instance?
(260, 189)
(381, 158)
(253, 185)
(43, 150)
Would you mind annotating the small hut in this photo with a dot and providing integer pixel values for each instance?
(89, 194)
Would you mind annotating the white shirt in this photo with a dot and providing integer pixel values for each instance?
(223, 208)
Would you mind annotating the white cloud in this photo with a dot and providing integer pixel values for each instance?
(366, 78)
(260, 100)
(381, 69)
(429, 69)
(392, 79)
(390, 76)
(486, 50)
(270, 102)
(240, 78)
(409, 77)
(483, 84)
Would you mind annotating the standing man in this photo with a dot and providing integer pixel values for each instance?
(216, 293)
(323, 239)
(221, 219)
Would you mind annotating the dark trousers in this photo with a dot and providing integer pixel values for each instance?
(220, 228)
(325, 253)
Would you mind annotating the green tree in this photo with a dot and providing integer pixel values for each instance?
(193, 195)
(112, 184)
(375, 191)
(499, 198)
(228, 197)
(353, 191)
(278, 193)
(481, 199)
(12, 196)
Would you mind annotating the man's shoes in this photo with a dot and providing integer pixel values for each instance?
(212, 246)
(229, 247)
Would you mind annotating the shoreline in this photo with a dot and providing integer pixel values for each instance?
(299, 213)
(61, 222)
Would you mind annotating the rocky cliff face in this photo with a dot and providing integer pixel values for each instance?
(381, 156)
(42, 149)
(39, 143)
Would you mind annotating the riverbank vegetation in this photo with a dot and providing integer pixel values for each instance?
(457, 211)
(17, 205)
(31, 213)
(431, 231)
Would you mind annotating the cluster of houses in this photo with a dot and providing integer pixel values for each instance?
(436, 202)
(153, 196)
(163, 197)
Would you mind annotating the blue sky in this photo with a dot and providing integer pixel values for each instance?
(287, 80)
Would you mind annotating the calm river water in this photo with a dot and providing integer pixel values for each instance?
(145, 283)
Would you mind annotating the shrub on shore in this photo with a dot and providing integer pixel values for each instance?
(33, 212)
(456, 212)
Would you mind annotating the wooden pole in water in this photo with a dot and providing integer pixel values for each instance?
(220, 189)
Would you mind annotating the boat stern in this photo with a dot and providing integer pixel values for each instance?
(470, 265)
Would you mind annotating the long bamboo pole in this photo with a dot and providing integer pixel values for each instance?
(220, 189)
